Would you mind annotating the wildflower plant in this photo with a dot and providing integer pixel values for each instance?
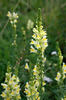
(11, 87)
(61, 75)
(13, 18)
(35, 87)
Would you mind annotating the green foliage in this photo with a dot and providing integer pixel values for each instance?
(53, 15)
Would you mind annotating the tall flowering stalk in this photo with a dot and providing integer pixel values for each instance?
(13, 18)
(61, 74)
(11, 87)
(38, 46)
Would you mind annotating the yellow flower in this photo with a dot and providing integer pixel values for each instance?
(37, 45)
(12, 93)
(17, 90)
(9, 14)
(26, 66)
(27, 85)
(3, 94)
(13, 77)
(43, 83)
(18, 97)
(15, 85)
(33, 50)
(38, 98)
(34, 35)
(58, 76)
(34, 73)
(11, 81)
(29, 94)
(35, 68)
(64, 68)
(15, 16)
(12, 87)
(45, 44)
(26, 91)
(38, 37)
(64, 65)
(32, 42)
(8, 88)
(44, 39)
(4, 85)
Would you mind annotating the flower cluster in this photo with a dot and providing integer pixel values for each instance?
(30, 24)
(38, 45)
(31, 91)
(13, 18)
(39, 41)
(38, 81)
(11, 88)
(31, 87)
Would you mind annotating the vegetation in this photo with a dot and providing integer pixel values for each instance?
(32, 50)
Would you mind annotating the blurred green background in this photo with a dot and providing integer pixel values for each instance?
(54, 22)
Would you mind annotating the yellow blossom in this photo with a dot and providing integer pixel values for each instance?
(58, 76)
(3, 94)
(32, 50)
(34, 35)
(12, 87)
(32, 42)
(43, 83)
(27, 85)
(26, 66)
(12, 93)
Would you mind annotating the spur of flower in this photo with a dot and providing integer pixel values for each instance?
(11, 87)
(13, 18)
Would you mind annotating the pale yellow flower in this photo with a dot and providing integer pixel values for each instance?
(32, 50)
(3, 94)
(26, 66)
(58, 76)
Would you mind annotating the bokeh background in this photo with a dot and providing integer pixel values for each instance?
(54, 22)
